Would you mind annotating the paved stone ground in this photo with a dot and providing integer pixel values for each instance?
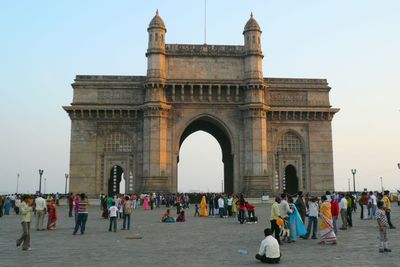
(198, 242)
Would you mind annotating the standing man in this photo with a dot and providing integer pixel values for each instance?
(211, 205)
(284, 211)
(83, 204)
(343, 211)
(275, 214)
(40, 205)
(383, 228)
(25, 222)
(388, 207)
(349, 210)
(313, 209)
(70, 203)
(221, 204)
(301, 207)
(372, 197)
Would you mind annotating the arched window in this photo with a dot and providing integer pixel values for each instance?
(291, 143)
(118, 142)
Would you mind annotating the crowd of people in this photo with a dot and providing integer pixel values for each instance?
(289, 213)
(288, 217)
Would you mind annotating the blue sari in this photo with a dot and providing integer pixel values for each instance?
(296, 224)
(7, 206)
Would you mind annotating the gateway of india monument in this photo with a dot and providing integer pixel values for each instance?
(275, 133)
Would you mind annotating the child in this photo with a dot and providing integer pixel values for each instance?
(181, 217)
(113, 210)
(196, 210)
(383, 228)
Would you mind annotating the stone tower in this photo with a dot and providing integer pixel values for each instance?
(254, 112)
(155, 111)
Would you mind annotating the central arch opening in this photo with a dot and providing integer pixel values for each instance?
(224, 183)
(116, 182)
(292, 182)
(200, 167)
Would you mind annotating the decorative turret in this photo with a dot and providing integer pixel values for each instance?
(252, 44)
(156, 49)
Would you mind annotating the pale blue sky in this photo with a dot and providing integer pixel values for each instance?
(44, 44)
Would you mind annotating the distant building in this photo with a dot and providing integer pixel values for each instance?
(275, 133)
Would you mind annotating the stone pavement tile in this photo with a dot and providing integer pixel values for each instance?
(198, 242)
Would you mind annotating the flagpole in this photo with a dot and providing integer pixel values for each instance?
(205, 21)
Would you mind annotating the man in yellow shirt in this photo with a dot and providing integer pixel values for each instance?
(275, 214)
(388, 207)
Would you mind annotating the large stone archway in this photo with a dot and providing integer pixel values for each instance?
(219, 89)
(214, 128)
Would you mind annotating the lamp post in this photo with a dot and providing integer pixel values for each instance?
(17, 182)
(40, 181)
(66, 179)
(353, 171)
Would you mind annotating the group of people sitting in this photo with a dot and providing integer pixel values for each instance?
(168, 218)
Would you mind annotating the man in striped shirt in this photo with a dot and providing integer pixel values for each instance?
(83, 204)
(383, 227)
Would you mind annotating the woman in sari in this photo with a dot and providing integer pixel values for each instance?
(167, 218)
(296, 224)
(326, 226)
(146, 203)
(52, 216)
(203, 206)
(7, 206)
(104, 206)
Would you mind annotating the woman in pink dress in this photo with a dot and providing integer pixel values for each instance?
(146, 203)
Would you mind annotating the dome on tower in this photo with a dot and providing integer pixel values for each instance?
(157, 22)
(251, 25)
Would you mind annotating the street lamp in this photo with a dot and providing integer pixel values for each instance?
(17, 182)
(398, 165)
(66, 179)
(353, 171)
(40, 181)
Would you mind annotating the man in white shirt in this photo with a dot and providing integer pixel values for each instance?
(221, 206)
(269, 249)
(40, 210)
(285, 210)
(372, 198)
(343, 211)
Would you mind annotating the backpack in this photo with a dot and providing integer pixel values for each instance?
(127, 208)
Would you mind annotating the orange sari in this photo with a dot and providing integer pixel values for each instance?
(203, 206)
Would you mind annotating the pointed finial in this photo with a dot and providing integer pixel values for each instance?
(251, 14)
(157, 12)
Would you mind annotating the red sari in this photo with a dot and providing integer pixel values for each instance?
(52, 216)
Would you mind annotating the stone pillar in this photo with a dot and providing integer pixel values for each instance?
(156, 165)
(255, 180)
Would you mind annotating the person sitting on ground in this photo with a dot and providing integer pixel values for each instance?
(269, 249)
(181, 217)
(167, 218)
(251, 212)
